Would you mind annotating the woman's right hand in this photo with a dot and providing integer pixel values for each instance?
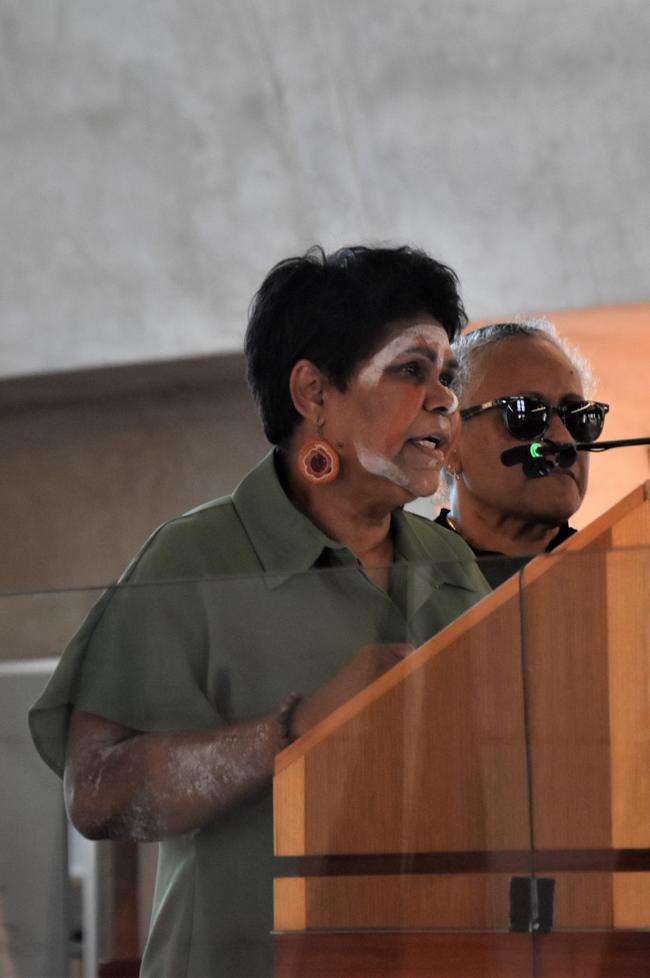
(370, 662)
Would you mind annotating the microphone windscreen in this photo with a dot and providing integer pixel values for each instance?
(516, 455)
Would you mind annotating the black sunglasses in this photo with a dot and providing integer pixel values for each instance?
(528, 418)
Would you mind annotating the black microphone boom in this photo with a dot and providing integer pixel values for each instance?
(539, 458)
(538, 450)
(602, 446)
(516, 455)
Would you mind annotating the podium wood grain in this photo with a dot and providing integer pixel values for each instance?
(522, 727)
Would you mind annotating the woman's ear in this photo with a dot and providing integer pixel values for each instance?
(306, 386)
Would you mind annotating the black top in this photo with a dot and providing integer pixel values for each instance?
(498, 567)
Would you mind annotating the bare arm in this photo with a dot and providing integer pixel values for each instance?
(124, 784)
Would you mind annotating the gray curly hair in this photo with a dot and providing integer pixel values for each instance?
(469, 343)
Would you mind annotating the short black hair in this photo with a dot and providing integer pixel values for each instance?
(335, 310)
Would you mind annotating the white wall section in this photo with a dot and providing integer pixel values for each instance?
(158, 158)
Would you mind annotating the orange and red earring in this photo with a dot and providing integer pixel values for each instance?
(318, 462)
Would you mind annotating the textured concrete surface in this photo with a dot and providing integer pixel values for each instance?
(157, 158)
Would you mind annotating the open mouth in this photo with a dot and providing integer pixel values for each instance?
(431, 444)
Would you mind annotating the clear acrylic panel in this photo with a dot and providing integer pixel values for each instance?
(478, 809)
(586, 643)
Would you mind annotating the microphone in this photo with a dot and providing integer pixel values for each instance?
(517, 455)
(540, 457)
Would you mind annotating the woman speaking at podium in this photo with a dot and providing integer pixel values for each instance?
(517, 383)
(241, 624)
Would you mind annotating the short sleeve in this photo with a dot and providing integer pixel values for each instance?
(140, 658)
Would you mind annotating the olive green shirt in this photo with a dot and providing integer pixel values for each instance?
(225, 611)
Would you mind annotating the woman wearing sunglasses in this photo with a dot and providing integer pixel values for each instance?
(517, 383)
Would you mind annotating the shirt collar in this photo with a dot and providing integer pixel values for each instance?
(287, 542)
(448, 569)
(284, 539)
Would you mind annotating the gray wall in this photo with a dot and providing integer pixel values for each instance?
(158, 157)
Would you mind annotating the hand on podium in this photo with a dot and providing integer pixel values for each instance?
(370, 662)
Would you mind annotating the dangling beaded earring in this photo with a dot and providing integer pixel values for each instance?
(318, 462)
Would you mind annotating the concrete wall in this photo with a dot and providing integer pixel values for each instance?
(158, 157)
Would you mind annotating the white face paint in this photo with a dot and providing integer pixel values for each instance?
(419, 336)
(380, 465)
(404, 414)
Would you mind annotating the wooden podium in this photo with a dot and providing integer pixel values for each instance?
(483, 809)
